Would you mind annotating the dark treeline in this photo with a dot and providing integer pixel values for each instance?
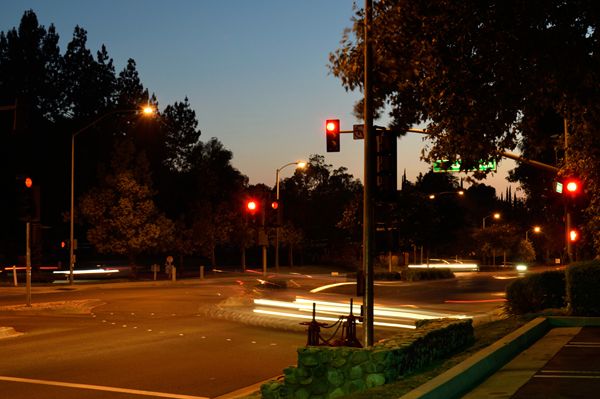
(147, 187)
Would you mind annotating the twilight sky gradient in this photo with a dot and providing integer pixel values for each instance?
(254, 71)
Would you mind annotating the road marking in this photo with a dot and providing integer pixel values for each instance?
(569, 376)
(100, 388)
(597, 372)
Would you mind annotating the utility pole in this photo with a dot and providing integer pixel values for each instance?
(369, 185)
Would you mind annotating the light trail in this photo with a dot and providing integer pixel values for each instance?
(386, 315)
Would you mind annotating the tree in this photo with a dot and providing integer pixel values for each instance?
(182, 134)
(292, 237)
(474, 71)
(123, 218)
(208, 197)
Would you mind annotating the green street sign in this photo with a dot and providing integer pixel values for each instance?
(447, 166)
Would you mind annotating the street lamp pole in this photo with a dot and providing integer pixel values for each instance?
(495, 215)
(535, 229)
(300, 164)
(146, 111)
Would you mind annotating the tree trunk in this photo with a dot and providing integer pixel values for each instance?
(180, 268)
(213, 256)
(243, 258)
(291, 255)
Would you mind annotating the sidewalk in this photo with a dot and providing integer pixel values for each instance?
(550, 357)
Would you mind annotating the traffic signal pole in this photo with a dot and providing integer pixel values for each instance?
(369, 186)
(27, 265)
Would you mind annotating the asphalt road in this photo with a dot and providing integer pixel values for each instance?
(151, 340)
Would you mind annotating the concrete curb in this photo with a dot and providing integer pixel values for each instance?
(465, 376)
(8, 332)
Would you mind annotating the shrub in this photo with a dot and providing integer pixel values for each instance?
(410, 275)
(426, 274)
(583, 295)
(536, 292)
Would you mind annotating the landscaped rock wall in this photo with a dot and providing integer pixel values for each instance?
(330, 372)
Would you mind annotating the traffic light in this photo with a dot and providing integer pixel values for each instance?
(251, 206)
(274, 204)
(572, 186)
(332, 134)
(573, 235)
(27, 199)
(387, 170)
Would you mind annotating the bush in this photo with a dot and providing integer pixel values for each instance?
(536, 292)
(583, 295)
(409, 275)
(426, 274)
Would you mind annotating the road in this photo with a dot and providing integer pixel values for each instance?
(149, 338)
(153, 339)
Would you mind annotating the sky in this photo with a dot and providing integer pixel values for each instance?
(255, 72)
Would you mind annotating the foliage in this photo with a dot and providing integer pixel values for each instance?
(123, 218)
(411, 275)
(314, 200)
(182, 135)
(478, 73)
(583, 279)
(426, 274)
(536, 292)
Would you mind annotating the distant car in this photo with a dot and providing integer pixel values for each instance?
(454, 265)
(518, 266)
(96, 270)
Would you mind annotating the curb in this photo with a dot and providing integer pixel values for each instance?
(465, 376)
(8, 332)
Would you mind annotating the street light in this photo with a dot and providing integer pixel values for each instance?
(299, 165)
(535, 229)
(459, 193)
(494, 215)
(147, 110)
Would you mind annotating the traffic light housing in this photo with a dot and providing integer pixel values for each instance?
(28, 207)
(332, 135)
(386, 169)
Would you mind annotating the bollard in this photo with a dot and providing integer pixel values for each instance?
(174, 274)
(14, 270)
(201, 272)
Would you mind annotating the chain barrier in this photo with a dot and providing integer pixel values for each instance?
(348, 330)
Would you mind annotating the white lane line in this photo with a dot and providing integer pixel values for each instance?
(100, 388)
(571, 371)
(593, 377)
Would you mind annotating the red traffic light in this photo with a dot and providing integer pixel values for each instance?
(573, 186)
(274, 204)
(332, 133)
(573, 235)
(63, 244)
(252, 206)
(28, 182)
